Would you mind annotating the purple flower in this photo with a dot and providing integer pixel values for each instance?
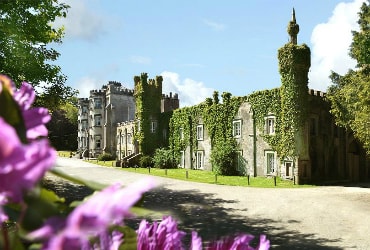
(196, 241)
(239, 242)
(164, 235)
(21, 166)
(94, 216)
(3, 216)
(34, 118)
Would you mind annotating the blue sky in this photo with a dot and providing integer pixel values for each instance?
(199, 46)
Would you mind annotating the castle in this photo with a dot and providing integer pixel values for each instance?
(287, 131)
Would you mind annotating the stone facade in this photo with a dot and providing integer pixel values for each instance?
(98, 116)
(150, 128)
(323, 151)
(136, 122)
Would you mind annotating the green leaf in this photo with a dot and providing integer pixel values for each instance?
(13, 238)
(12, 114)
(129, 237)
(41, 205)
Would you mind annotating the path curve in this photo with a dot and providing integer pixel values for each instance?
(332, 217)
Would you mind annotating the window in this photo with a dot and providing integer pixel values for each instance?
(237, 128)
(200, 132)
(270, 162)
(181, 132)
(97, 103)
(199, 160)
(153, 126)
(129, 138)
(84, 124)
(84, 109)
(97, 120)
(138, 125)
(182, 159)
(97, 141)
(270, 125)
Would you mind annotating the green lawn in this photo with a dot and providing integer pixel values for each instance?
(208, 177)
(64, 153)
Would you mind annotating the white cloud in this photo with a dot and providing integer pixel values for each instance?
(140, 59)
(331, 42)
(214, 25)
(190, 91)
(82, 21)
(85, 84)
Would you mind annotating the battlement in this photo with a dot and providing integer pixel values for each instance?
(318, 93)
(97, 92)
(81, 100)
(144, 81)
(174, 97)
(119, 90)
(115, 83)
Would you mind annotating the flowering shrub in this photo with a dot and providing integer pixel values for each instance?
(39, 219)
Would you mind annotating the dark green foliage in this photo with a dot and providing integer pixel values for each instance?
(26, 33)
(294, 64)
(268, 102)
(217, 119)
(146, 161)
(106, 157)
(163, 158)
(62, 131)
(350, 94)
(148, 94)
(360, 47)
(223, 158)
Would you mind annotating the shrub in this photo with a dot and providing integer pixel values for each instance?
(164, 158)
(106, 157)
(223, 159)
(146, 161)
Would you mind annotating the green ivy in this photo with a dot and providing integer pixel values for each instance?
(288, 104)
(294, 64)
(216, 117)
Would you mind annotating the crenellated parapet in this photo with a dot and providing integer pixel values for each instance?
(97, 92)
(318, 93)
(117, 89)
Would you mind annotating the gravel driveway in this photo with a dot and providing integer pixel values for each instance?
(329, 217)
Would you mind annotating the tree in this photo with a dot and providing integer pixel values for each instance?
(63, 127)
(26, 33)
(350, 94)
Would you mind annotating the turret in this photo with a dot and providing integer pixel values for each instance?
(294, 64)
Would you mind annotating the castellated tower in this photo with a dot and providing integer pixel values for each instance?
(148, 96)
(294, 64)
(119, 107)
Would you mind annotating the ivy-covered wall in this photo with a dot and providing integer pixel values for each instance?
(294, 64)
(148, 94)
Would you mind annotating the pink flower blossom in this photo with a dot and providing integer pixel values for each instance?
(163, 235)
(21, 166)
(239, 242)
(35, 118)
(94, 216)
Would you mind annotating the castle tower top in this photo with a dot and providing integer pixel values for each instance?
(293, 29)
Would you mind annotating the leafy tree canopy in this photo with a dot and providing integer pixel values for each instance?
(350, 94)
(26, 33)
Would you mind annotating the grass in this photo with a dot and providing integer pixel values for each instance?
(64, 153)
(208, 177)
